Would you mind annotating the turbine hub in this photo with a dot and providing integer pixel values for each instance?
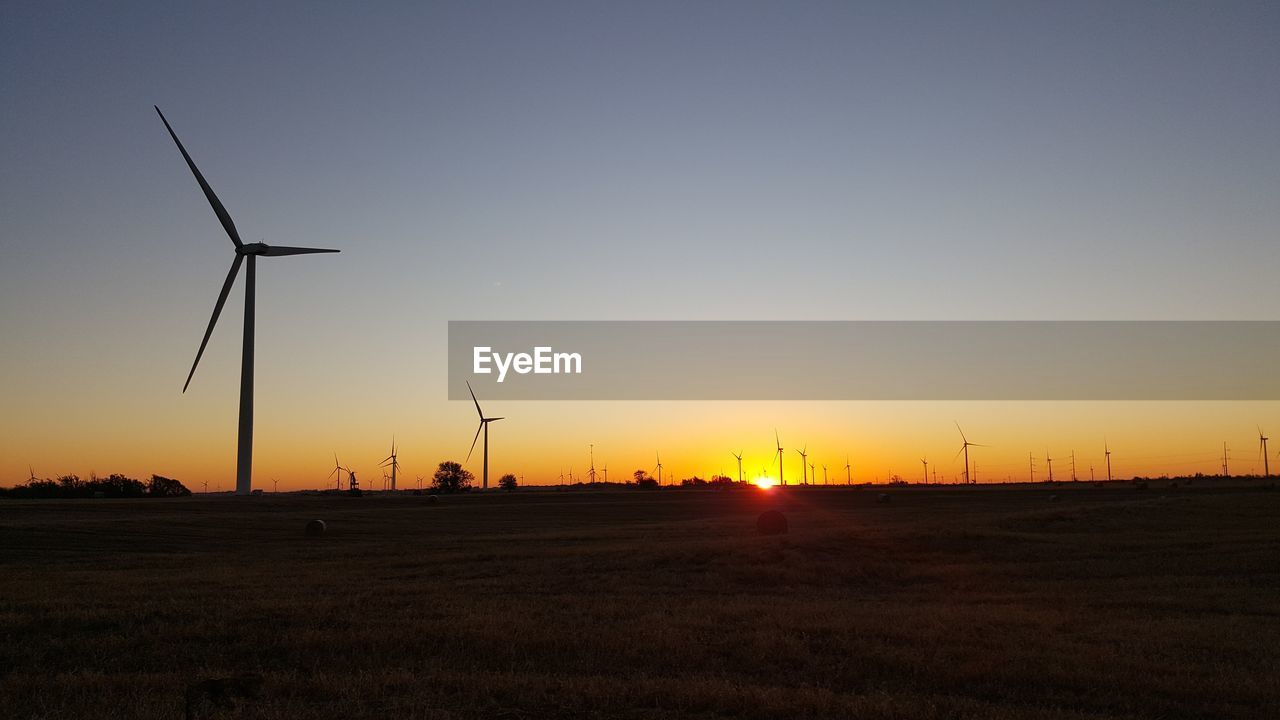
(257, 248)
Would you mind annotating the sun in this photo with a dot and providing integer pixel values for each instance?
(764, 483)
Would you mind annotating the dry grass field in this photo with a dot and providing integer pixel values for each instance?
(942, 603)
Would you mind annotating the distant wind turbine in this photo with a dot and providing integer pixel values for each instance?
(965, 449)
(925, 461)
(658, 468)
(337, 471)
(484, 425)
(1107, 451)
(1050, 461)
(1262, 448)
(393, 463)
(244, 447)
(804, 459)
(848, 471)
(738, 457)
(782, 480)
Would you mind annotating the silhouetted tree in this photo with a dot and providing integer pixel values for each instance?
(451, 477)
(641, 476)
(507, 482)
(161, 486)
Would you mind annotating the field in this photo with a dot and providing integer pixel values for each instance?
(947, 602)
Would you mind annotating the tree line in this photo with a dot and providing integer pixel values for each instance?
(112, 486)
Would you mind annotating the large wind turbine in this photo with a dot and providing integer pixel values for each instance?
(738, 457)
(965, 449)
(484, 425)
(393, 463)
(848, 472)
(804, 459)
(1107, 451)
(658, 467)
(244, 447)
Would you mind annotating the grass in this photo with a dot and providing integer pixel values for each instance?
(945, 603)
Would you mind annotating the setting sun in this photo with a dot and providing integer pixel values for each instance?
(764, 483)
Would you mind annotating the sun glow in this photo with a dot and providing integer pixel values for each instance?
(764, 483)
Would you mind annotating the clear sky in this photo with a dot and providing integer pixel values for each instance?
(649, 160)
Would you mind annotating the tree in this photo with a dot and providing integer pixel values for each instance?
(507, 482)
(161, 486)
(451, 477)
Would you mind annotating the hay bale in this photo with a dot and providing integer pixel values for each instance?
(432, 499)
(1054, 498)
(771, 522)
(315, 528)
(882, 498)
(1141, 485)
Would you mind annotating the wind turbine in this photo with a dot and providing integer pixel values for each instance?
(592, 472)
(1107, 451)
(1262, 447)
(965, 449)
(244, 446)
(393, 462)
(848, 473)
(813, 473)
(1050, 461)
(337, 470)
(484, 425)
(658, 467)
(804, 458)
(1073, 466)
(781, 479)
(925, 461)
(738, 457)
(1031, 462)
(824, 474)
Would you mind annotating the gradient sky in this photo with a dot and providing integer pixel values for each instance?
(652, 160)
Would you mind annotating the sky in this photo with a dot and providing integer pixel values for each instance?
(648, 160)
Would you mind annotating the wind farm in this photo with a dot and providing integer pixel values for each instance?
(647, 234)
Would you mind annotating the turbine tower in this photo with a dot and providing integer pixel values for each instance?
(1107, 451)
(393, 463)
(244, 446)
(1050, 461)
(804, 458)
(925, 461)
(484, 425)
(964, 448)
(848, 473)
(658, 467)
(738, 457)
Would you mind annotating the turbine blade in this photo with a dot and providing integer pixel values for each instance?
(280, 250)
(214, 202)
(217, 310)
(473, 442)
(474, 400)
(494, 419)
(962, 437)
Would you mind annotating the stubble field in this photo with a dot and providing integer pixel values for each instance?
(944, 602)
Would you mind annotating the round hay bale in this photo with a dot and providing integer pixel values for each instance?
(1053, 498)
(315, 528)
(771, 522)
(882, 498)
(1141, 485)
(432, 499)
